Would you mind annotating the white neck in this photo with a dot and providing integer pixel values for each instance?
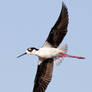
(34, 52)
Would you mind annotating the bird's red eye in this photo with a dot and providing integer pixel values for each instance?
(29, 49)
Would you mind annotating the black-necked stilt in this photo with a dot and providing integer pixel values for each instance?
(49, 51)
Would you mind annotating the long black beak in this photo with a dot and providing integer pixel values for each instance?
(22, 55)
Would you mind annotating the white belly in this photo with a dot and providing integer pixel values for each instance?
(49, 52)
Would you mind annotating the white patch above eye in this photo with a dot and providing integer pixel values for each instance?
(29, 49)
(28, 52)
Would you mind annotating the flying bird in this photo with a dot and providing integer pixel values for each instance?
(50, 51)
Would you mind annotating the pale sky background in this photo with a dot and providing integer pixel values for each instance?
(26, 23)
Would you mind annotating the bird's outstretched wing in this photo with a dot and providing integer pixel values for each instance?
(43, 76)
(59, 30)
(45, 69)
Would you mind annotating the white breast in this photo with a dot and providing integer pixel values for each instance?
(48, 52)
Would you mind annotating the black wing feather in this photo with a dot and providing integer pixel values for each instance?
(59, 30)
(43, 76)
(45, 69)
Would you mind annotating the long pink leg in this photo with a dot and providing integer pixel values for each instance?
(66, 55)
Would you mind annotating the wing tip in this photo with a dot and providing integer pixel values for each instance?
(63, 4)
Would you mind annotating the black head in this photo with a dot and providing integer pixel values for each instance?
(29, 51)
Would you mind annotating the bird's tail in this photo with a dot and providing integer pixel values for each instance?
(58, 60)
(64, 48)
(66, 55)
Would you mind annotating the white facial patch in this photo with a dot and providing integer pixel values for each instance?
(28, 52)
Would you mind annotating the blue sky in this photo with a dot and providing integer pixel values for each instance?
(26, 23)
